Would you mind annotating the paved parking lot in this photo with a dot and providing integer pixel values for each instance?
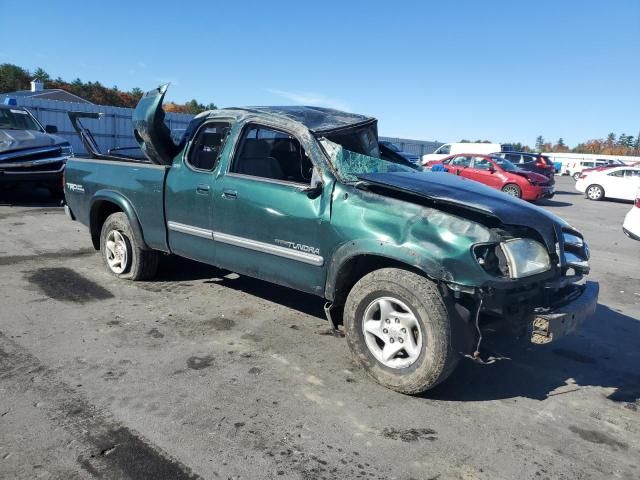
(205, 374)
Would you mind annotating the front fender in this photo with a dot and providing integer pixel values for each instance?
(119, 200)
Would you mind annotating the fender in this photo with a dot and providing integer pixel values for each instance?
(125, 205)
(377, 248)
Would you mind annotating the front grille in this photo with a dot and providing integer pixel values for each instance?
(574, 252)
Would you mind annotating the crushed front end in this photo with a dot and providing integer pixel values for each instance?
(537, 293)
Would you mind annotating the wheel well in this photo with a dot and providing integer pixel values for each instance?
(357, 267)
(99, 213)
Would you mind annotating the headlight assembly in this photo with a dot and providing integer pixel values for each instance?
(66, 150)
(525, 257)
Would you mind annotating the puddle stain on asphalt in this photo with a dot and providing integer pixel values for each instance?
(410, 434)
(62, 254)
(599, 438)
(199, 363)
(66, 285)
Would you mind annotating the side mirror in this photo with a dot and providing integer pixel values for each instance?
(492, 169)
(51, 129)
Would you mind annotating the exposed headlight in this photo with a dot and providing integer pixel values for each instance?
(525, 257)
(66, 150)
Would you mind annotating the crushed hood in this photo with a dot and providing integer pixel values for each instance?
(11, 140)
(473, 196)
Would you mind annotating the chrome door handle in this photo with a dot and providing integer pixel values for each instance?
(229, 194)
(202, 188)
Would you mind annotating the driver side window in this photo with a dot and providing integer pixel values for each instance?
(268, 153)
(461, 161)
(481, 163)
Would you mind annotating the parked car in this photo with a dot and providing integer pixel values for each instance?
(531, 162)
(465, 147)
(414, 263)
(411, 157)
(29, 152)
(631, 225)
(620, 183)
(575, 167)
(599, 168)
(501, 174)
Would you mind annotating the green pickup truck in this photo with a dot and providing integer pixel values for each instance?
(415, 265)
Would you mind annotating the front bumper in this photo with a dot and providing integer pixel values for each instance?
(559, 321)
(46, 170)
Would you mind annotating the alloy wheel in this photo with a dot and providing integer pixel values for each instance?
(392, 332)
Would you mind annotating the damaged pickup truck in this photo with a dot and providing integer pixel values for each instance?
(415, 264)
(29, 152)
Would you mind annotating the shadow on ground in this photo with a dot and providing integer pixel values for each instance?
(28, 196)
(604, 353)
(173, 268)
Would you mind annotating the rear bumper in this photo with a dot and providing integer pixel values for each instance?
(559, 321)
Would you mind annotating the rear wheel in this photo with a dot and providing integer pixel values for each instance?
(595, 192)
(576, 176)
(513, 190)
(398, 329)
(122, 256)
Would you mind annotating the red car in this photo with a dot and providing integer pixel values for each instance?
(498, 173)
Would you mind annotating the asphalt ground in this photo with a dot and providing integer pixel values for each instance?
(202, 373)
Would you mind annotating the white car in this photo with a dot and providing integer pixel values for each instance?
(575, 168)
(631, 225)
(621, 183)
(465, 147)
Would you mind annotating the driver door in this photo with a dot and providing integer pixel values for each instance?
(268, 227)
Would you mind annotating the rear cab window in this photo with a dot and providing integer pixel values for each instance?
(205, 150)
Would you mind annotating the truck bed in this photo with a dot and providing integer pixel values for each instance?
(136, 183)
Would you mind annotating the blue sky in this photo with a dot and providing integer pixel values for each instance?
(501, 70)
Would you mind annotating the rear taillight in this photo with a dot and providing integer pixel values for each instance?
(582, 175)
(637, 202)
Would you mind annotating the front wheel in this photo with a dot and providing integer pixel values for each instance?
(595, 192)
(398, 329)
(121, 254)
(513, 190)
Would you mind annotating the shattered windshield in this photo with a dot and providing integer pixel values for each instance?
(350, 164)
(17, 119)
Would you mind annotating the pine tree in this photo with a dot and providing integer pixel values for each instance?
(539, 143)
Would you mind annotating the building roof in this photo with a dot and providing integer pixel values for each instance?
(47, 94)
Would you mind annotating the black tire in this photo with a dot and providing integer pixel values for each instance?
(594, 192)
(437, 357)
(576, 176)
(140, 264)
(513, 190)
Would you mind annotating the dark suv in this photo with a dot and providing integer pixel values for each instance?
(531, 162)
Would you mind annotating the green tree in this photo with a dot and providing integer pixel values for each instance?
(539, 143)
(136, 93)
(210, 106)
(611, 140)
(41, 75)
(13, 77)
